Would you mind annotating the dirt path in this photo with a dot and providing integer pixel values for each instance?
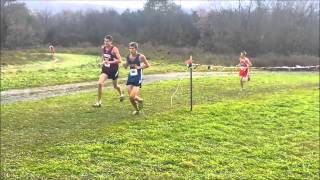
(12, 96)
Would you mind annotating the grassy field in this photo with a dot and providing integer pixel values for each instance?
(28, 69)
(35, 68)
(167, 54)
(164, 53)
(268, 131)
(69, 68)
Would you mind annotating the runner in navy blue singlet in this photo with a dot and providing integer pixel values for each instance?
(136, 62)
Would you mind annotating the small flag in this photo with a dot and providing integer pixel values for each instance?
(189, 61)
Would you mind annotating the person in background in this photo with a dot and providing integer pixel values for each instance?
(244, 65)
(52, 51)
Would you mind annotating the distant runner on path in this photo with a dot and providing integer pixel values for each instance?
(244, 65)
(52, 51)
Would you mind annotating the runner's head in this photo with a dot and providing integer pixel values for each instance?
(243, 54)
(133, 47)
(108, 40)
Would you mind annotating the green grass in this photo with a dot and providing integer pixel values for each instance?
(69, 68)
(22, 57)
(271, 130)
(38, 69)
(162, 53)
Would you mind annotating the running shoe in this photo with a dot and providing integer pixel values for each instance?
(121, 97)
(135, 113)
(97, 105)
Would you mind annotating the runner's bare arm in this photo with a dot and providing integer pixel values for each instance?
(102, 57)
(249, 62)
(144, 60)
(117, 60)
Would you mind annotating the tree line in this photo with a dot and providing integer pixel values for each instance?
(259, 27)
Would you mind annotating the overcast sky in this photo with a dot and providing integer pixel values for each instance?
(119, 5)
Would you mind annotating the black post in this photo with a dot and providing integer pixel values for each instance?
(190, 68)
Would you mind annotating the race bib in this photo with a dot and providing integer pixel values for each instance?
(106, 56)
(133, 72)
